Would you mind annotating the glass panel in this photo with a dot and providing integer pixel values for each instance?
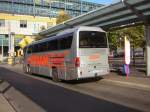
(2, 22)
(92, 39)
(65, 43)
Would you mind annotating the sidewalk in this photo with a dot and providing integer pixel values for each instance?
(138, 81)
(4, 104)
(132, 81)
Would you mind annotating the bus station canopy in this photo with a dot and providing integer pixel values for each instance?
(114, 15)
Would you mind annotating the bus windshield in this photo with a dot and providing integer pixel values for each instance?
(92, 39)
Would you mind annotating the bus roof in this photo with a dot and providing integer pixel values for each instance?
(81, 28)
(70, 31)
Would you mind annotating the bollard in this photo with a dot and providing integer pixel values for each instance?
(10, 60)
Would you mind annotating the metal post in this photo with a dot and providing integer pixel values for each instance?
(9, 44)
(81, 7)
(133, 55)
(65, 6)
(2, 49)
(50, 7)
(12, 44)
(147, 35)
(34, 8)
(12, 5)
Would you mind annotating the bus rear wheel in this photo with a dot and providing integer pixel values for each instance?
(55, 75)
(28, 69)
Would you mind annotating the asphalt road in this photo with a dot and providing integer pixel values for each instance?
(53, 98)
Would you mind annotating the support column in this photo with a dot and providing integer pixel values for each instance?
(11, 49)
(65, 6)
(2, 48)
(11, 44)
(147, 36)
(81, 7)
(34, 11)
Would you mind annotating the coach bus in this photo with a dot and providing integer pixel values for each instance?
(77, 53)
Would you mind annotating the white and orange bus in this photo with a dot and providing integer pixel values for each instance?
(73, 54)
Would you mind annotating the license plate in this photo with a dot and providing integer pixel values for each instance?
(97, 71)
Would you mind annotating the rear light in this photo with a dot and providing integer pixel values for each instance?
(77, 61)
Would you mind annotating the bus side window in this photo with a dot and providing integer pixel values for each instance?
(35, 48)
(43, 47)
(53, 45)
(65, 43)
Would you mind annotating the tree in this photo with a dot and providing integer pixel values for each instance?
(135, 34)
(113, 38)
(42, 28)
(63, 16)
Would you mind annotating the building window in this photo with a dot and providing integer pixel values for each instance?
(2, 22)
(49, 24)
(23, 23)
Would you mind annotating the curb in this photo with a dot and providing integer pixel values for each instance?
(128, 84)
(4, 86)
(12, 100)
(5, 104)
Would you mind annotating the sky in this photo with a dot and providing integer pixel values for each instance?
(102, 1)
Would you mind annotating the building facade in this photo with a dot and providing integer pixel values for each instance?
(27, 17)
(48, 8)
(20, 26)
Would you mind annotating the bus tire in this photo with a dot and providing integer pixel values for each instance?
(55, 75)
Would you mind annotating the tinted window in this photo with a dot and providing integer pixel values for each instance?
(65, 43)
(92, 39)
(35, 48)
(52, 45)
(62, 43)
(42, 47)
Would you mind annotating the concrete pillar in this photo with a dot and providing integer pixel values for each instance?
(65, 5)
(34, 11)
(11, 49)
(11, 44)
(2, 48)
(81, 8)
(147, 36)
